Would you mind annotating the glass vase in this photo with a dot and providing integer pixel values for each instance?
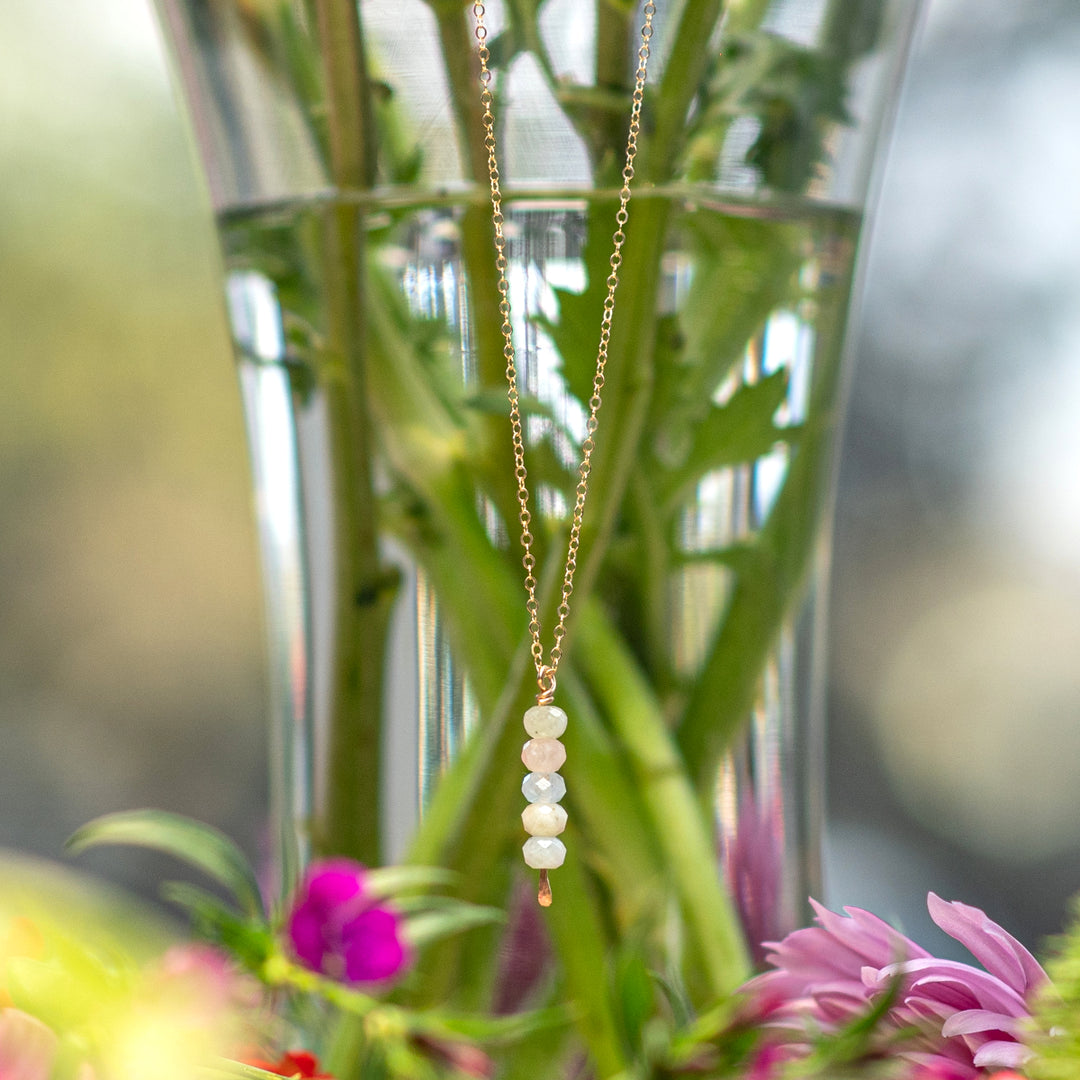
(343, 148)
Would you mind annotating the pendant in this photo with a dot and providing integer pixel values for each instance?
(544, 819)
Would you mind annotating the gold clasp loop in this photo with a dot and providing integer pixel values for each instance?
(546, 681)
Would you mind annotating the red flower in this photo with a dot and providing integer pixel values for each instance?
(296, 1064)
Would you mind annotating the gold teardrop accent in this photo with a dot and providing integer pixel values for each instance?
(543, 895)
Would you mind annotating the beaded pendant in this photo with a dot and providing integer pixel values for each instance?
(544, 819)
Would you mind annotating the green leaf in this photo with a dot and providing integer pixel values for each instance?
(635, 999)
(740, 430)
(674, 996)
(744, 269)
(575, 333)
(199, 845)
(854, 27)
(250, 941)
(491, 1030)
(389, 881)
(450, 917)
(235, 1070)
(60, 998)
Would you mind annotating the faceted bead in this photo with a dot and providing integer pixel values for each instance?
(543, 755)
(543, 819)
(543, 852)
(545, 721)
(543, 787)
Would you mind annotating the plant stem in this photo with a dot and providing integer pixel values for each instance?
(628, 386)
(478, 250)
(631, 356)
(349, 118)
(605, 136)
(685, 837)
(347, 821)
(670, 103)
(463, 75)
(772, 576)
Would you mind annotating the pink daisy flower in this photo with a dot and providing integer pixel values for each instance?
(967, 1020)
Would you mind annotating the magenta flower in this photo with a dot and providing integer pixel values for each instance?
(336, 928)
(966, 1019)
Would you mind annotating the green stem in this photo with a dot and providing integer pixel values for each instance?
(628, 386)
(685, 837)
(604, 129)
(745, 15)
(494, 456)
(613, 67)
(772, 577)
(670, 104)
(630, 363)
(724, 692)
(463, 76)
(350, 121)
(653, 587)
(582, 941)
(347, 823)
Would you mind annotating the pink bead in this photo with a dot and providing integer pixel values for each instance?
(543, 755)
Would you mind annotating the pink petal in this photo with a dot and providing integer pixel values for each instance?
(331, 883)
(914, 1010)
(972, 1021)
(373, 946)
(962, 986)
(868, 936)
(815, 954)
(939, 1067)
(1003, 1055)
(308, 935)
(996, 949)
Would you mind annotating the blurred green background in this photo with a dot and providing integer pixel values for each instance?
(130, 637)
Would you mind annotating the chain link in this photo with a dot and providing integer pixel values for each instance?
(545, 672)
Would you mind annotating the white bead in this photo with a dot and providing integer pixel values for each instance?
(545, 721)
(543, 755)
(544, 852)
(543, 819)
(543, 787)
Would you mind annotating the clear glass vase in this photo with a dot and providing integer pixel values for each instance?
(343, 148)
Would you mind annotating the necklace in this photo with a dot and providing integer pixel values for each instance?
(543, 755)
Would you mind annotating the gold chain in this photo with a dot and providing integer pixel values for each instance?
(545, 673)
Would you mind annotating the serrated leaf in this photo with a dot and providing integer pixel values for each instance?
(744, 270)
(199, 845)
(504, 48)
(575, 332)
(741, 430)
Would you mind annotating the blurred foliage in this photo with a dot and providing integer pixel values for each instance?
(130, 643)
(1057, 1014)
